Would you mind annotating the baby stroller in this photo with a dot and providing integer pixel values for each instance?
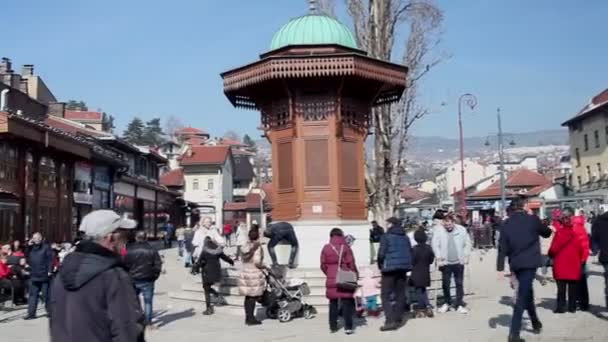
(285, 300)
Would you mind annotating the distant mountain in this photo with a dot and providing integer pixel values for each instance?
(437, 148)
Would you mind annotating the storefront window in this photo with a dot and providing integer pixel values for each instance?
(8, 163)
(124, 205)
(148, 217)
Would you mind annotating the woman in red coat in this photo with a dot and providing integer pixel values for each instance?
(330, 257)
(567, 253)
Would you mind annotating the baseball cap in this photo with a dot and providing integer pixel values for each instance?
(100, 223)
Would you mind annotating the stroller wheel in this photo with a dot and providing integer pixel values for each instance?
(309, 313)
(284, 315)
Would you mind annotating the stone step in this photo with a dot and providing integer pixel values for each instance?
(230, 290)
(238, 300)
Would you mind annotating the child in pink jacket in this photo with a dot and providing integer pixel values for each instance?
(369, 289)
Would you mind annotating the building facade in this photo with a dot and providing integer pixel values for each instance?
(588, 133)
(449, 179)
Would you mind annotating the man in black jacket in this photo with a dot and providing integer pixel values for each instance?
(282, 232)
(144, 264)
(93, 296)
(40, 260)
(599, 238)
(519, 241)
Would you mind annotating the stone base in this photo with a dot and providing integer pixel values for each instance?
(313, 235)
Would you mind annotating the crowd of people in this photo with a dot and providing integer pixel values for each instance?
(90, 288)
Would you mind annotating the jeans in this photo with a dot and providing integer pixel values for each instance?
(291, 240)
(344, 306)
(393, 285)
(457, 270)
(180, 248)
(524, 299)
(187, 258)
(423, 298)
(570, 287)
(147, 290)
(36, 287)
(583, 290)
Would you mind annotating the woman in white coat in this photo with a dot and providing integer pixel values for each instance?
(206, 229)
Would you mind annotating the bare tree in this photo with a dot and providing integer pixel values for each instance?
(232, 135)
(327, 7)
(172, 125)
(376, 23)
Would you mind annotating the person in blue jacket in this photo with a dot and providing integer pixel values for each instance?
(394, 261)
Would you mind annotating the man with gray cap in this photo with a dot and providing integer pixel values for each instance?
(93, 296)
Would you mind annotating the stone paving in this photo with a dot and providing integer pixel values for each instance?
(488, 320)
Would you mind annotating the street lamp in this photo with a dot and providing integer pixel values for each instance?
(470, 101)
(501, 160)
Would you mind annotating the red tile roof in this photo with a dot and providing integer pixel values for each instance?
(83, 116)
(191, 130)
(599, 100)
(173, 178)
(410, 194)
(525, 178)
(230, 142)
(206, 155)
(195, 141)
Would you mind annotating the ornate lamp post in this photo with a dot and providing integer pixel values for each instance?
(470, 101)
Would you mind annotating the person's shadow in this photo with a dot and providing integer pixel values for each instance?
(165, 319)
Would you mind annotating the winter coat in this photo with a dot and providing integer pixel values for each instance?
(252, 281)
(599, 235)
(369, 283)
(211, 269)
(567, 253)
(143, 262)
(423, 258)
(395, 252)
(520, 242)
(375, 234)
(94, 299)
(5, 271)
(40, 260)
(578, 224)
(441, 240)
(329, 265)
(199, 239)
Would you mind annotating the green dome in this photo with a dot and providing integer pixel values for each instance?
(313, 29)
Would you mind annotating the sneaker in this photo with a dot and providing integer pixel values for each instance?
(349, 331)
(537, 326)
(462, 310)
(444, 308)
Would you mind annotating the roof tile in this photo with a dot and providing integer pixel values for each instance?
(206, 155)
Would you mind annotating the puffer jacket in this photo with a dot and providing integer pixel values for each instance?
(578, 225)
(395, 253)
(143, 262)
(440, 244)
(567, 253)
(330, 259)
(252, 281)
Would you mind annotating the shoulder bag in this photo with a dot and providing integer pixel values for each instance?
(345, 280)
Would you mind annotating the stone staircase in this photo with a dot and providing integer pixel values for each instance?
(193, 290)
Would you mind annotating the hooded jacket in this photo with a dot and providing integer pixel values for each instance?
(599, 236)
(395, 253)
(567, 253)
(94, 299)
(578, 225)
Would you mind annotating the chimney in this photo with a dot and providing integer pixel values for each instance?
(5, 66)
(27, 70)
(23, 86)
(57, 109)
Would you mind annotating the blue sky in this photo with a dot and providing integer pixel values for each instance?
(540, 61)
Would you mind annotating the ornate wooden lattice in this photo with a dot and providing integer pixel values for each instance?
(355, 114)
(315, 107)
(275, 115)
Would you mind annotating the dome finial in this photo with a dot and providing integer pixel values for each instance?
(312, 6)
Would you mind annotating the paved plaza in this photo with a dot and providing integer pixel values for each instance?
(488, 320)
